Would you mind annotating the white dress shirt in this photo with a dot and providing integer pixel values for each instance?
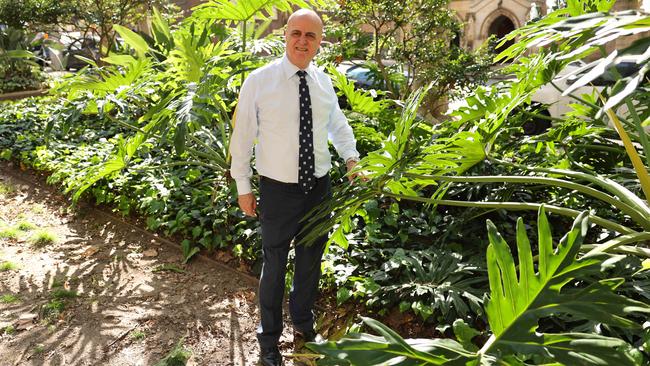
(268, 112)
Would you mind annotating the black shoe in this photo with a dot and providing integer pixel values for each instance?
(311, 336)
(270, 357)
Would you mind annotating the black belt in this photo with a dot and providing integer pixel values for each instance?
(264, 178)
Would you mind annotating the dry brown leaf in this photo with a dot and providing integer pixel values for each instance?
(150, 253)
(90, 251)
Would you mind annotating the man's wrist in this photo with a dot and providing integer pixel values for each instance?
(243, 186)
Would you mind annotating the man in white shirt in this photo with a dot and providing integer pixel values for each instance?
(290, 107)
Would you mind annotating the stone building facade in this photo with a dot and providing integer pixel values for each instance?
(483, 18)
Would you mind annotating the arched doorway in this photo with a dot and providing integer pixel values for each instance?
(501, 26)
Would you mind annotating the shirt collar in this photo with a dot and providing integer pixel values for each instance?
(291, 69)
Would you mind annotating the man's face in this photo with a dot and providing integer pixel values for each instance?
(303, 36)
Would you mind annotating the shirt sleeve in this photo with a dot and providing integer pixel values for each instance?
(340, 131)
(243, 137)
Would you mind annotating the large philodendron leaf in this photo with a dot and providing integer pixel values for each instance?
(390, 349)
(360, 100)
(133, 39)
(243, 10)
(579, 7)
(518, 300)
(161, 32)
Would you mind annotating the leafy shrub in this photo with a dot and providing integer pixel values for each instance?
(18, 71)
(19, 76)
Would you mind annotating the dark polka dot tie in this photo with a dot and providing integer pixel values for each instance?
(306, 177)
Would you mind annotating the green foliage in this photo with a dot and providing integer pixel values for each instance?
(393, 261)
(138, 335)
(244, 10)
(360, 101)
(52, 310)
(9, 299)
(16, 76)
(426, 172)
(176, 199)
(98, 19)
(178, 356)
(26, 226)
(59, 300)
(61, 294)
(435, 282)
(182, 115)
(148, 131)
(6, 188)
(517, 303)
(8, 266)
(418, 36)
(34, 13)
(577, 8)
(9, 233)
(9, 330)
(18, 71)
(42, 238)
(580, 162)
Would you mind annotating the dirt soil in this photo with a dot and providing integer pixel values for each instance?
(108, 293)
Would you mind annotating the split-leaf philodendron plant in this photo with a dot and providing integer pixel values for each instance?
(520, 295)
(403, 170)
(183, 80)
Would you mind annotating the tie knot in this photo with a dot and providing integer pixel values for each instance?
(301, 73)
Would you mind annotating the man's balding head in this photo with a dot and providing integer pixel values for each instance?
(306, 13)
(303, 35)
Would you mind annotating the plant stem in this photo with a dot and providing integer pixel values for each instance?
(637, 216)
(641, 171)
(609, 185)
(515, 206)
(622, 240)
(640, 130)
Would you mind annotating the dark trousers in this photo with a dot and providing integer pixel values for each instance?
(283, 207)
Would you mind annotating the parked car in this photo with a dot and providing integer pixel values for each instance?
(361, 75)
(68, 46)
(366, 77)
(85, 47)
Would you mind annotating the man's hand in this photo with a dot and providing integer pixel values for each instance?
(350, 164)
(248, 204)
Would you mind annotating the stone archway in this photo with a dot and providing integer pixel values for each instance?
(501, 26)
(499, 23)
